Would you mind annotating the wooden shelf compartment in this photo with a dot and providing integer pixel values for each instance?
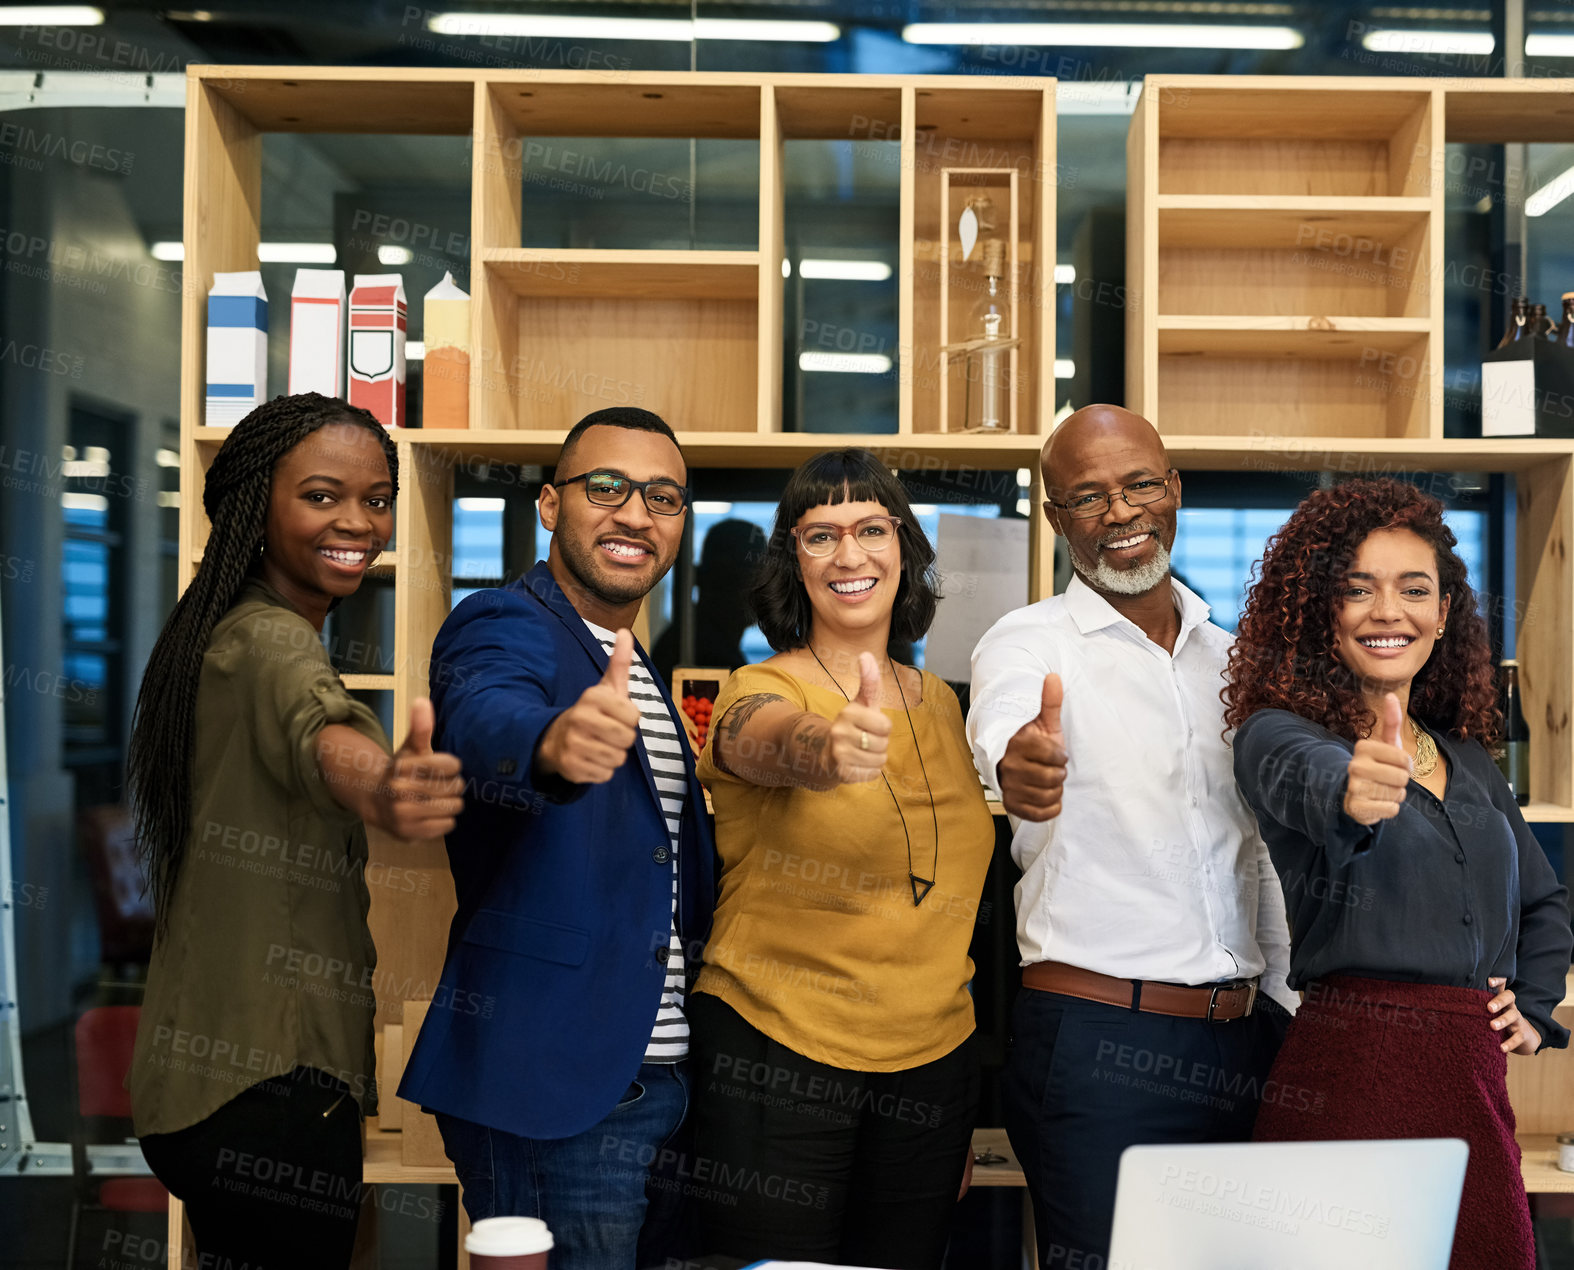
(1255, 136)
(533, 272)
(343, 99)
(649, 105)
(1385, 389)
(1285, 256)
(974, 131)
(1502, 111)
(1298, 336)
(368, 683)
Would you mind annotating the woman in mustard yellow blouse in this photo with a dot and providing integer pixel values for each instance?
(835, 1083)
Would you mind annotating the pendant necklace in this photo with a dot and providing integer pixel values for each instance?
(913, 879)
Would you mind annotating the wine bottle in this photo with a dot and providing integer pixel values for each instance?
(1565, 334)
(1515, 760)
(1519, 315)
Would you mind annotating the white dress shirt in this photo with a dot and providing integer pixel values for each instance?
(1154, 868)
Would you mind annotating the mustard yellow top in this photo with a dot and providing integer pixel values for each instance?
(816, 940)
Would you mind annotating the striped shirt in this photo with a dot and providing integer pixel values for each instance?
(664, 743)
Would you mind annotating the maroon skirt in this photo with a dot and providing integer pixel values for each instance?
(1365, 1058)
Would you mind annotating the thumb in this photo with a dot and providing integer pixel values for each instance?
(617, 676)
(1392, 715)
(1049, 708)
(418, 740)
(868, 680)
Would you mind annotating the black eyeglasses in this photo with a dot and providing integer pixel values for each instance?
(612, 489)
(1137, 494)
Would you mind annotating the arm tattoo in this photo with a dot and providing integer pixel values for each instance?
(733, 722)
(809, 740)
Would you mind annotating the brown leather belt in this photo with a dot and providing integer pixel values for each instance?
(1220, 1004)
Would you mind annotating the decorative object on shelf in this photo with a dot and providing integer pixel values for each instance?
(1519, 315)
(378, 326)
(1527, 385)
(317, 332)
(695, 690)
(445, 374)
(1540, 324)
(978, 300)
(1564, 335)
(237, 348)
(1515, 759)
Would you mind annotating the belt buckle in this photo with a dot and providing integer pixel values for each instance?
(1251, 997)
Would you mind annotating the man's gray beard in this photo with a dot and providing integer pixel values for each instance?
(1138, 581)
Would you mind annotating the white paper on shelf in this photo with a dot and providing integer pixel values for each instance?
(982, 564)
(1508, 399)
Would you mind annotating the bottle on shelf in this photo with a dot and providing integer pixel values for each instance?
(1565, 332)
(1515, 759)
(988, 389)
(1518, 316)
(1540, 325)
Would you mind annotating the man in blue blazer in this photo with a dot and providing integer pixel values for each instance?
(554, 1051)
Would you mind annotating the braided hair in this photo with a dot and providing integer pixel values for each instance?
(235, 496)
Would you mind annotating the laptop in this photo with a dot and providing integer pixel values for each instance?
(1368, 1205)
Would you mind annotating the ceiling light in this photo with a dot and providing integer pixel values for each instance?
(1201, 35)
(1551, 194)
(1549, 46)
(297, 253)
(1065, 368)
(168, 251)
(1428, 42)
(786, 268)
(387, 255)
(845, 270)
(845, 363)
(703, 508)
(1024, 508)
(51, 15)
(680, 30)
(415, 350)
(1024, 478)
(1065, 275)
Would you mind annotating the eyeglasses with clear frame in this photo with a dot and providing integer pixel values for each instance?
(1151, 489)
(613, 489)
(872, 533)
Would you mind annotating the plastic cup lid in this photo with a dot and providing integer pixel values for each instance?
(508, 1236)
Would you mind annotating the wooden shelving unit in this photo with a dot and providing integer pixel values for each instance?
(1284, 243)
(695, 335)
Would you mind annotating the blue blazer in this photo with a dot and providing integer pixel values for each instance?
(557, 953)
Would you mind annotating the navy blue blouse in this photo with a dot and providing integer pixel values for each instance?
(1451, 891)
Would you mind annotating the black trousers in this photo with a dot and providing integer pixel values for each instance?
(798, 1160)
(272, 1179)
(1084, 1081)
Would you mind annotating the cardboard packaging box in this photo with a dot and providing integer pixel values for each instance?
(445, 375)
(378, 326)
(317, 332)
(1527, 390)
(237, 348)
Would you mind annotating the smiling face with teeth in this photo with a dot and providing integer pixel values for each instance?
(330, 510)
(1386, 624)
(607, 559)
(852, 590)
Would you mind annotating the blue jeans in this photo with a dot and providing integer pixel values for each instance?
(591, 1189)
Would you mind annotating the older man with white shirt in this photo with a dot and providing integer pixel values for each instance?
(1149, 919)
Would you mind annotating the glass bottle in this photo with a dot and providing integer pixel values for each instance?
(1515, 759)
(1565, 333)
(988, 368)
(1518, 316)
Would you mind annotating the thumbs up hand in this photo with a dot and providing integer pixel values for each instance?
(590, 740)
(1379, 770)
(861, 734)
(420, 791)
(1032, 772)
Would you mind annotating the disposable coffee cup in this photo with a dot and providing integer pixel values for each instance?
(509, 1243)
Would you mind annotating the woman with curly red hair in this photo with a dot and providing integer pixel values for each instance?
(1428, 931)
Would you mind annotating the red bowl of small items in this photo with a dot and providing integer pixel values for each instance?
(695, 692)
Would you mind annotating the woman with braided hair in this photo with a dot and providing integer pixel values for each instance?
(252, 777)
(1427, 929)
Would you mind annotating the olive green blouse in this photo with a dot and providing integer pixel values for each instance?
(267, 963)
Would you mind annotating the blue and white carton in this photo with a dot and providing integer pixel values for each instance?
(237, 348)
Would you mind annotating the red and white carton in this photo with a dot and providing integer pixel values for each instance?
(378, 325)
(317, 332)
